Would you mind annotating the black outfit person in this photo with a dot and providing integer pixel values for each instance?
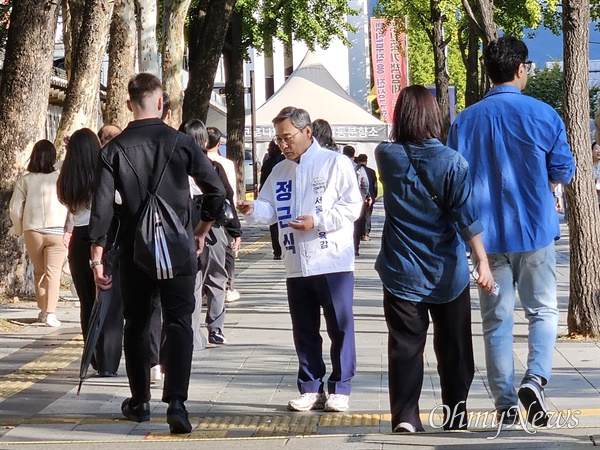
(148, 144)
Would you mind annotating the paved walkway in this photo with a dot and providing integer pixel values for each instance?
(239, 392)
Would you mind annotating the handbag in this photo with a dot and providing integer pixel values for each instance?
(228, 214)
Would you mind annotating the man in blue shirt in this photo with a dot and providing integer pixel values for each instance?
(517, 151)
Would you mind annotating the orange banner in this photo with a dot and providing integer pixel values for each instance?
(390, 66)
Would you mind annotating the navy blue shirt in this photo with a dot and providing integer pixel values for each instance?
(423, 255)
(516, 146)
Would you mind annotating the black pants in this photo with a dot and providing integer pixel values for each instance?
(368, 214)
(407, 326)
(359, 226)
(177, 304)
(110, 343)
(274, 230)
(230, 264)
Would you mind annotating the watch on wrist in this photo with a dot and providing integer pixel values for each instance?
(95, 263)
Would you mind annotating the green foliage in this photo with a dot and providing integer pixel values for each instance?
(547, 85)
(5, 7)
(315, 23)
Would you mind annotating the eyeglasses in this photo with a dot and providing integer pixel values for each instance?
(528, 65)
(286, 140)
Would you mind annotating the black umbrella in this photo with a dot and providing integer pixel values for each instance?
(99, 311)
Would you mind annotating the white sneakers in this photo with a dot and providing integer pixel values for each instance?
(51, 320)
(232, 296)
(308, 401)
(337, 402)
(314, 400)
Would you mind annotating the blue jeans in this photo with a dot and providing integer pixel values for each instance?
(534, 274)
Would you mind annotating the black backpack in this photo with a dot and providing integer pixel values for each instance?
(161, 246)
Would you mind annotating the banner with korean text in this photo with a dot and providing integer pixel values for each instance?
(390, 66)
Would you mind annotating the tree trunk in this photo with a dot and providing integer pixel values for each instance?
(121, 63)
(481, 18)
(174, 15)
(145, 11)
(234, 94)
(442, 79)
(72, 14)
(24, 91)
(206, 34)
(269, 69)
(584, 233)
(468, 40)
(82, 93)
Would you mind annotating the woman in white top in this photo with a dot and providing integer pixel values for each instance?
(36, 212)
(75, 190)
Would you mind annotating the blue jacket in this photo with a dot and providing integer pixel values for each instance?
(516, 146)
(423, 257)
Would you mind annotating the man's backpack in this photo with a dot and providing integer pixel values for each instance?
(161, 246)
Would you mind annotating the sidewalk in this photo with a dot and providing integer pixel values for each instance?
(239, 392)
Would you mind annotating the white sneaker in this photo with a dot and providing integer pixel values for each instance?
(52, 321)
(405, 427)
(337, 402)
(157, 375)
(232, 296)
(308, 401)
(42, 316)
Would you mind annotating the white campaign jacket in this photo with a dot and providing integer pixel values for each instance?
(324, 186)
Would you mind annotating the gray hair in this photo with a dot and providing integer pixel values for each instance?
(299, 117)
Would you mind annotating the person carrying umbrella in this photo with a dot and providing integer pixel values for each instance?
(140, 154)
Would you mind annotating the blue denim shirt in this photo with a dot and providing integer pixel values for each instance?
(422, 256)
(516, 146)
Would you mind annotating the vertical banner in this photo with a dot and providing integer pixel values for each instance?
(390, 66)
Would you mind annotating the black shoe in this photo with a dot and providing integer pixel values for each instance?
(216, 337)
(106, 373)
(508, 417)
(137, 413)
(531, 395)
(177, 418)
(277, 257)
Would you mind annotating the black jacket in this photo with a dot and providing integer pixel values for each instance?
(148, 144)
(373, 188)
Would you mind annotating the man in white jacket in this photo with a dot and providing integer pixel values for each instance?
(313, 196)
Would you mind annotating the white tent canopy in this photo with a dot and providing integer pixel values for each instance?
(311, 87)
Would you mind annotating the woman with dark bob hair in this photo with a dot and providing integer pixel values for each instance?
(422, 263)
(75, 191)
(37, 214)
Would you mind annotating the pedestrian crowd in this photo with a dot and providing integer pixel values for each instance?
(489, 191)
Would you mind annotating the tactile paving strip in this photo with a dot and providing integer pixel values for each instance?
(41, 368)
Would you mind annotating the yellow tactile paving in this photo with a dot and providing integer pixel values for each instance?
(37, 370)
(256, 245)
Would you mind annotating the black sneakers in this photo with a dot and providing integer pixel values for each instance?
(508, 417)
(531, 395)
(137, 413)
(216, 337)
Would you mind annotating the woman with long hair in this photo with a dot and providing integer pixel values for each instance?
(75, 191)
(429, 214)
(322, 132)
(37, 214)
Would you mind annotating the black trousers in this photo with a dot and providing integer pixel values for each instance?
(177, 304)
(359, 227)
(110, 343)
(274, 230)
(368, 214)
(407, 332)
